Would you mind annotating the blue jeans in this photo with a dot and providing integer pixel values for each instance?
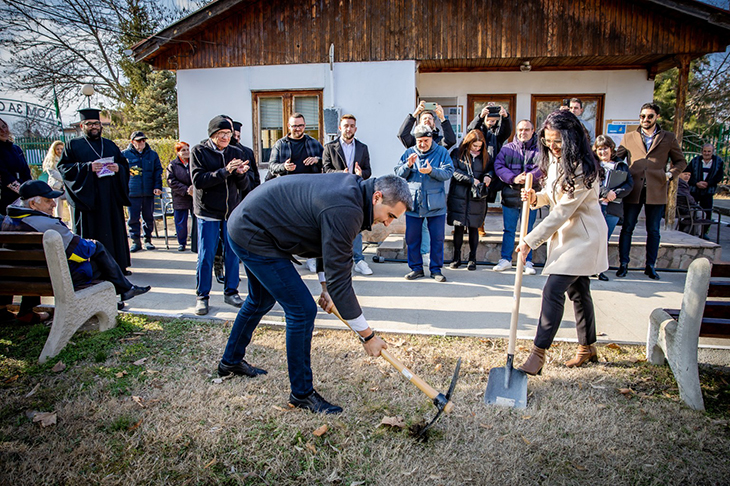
(272, 280)
(357, 248)
(144, 205)
(181, 225)
(653, 213)
(209, 233)
(510, 218)
(436, 229)
(611, 220)
(425, 238)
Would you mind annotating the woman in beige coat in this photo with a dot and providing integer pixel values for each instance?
(575, 232)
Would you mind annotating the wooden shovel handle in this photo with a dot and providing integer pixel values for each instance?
(524, 221)
(402, 369)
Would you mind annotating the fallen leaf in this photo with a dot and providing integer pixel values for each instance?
(45, 418)
(134, 426)
(522, 348)
(311, 447)
(613, 346)
(212, 461)
(525, 440)
(316, 333)
(11, 379)
(276, 407)
(437, 367)
(121, 374)
(60, 366)
(321, 431)
(32, 392)
(139, 362)
(625, 391)
(579, 467)
(138, 401)
(393, 422)
(151, 372)
(526, 417)
(374, 388)
(601, 406)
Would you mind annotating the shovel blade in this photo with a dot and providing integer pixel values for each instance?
(506, 387)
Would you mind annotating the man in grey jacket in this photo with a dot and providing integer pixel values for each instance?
(314, 217)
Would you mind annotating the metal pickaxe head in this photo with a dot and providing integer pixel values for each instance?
(443, 403)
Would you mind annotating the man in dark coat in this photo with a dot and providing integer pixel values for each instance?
(297, 153)
(219, 176)
(351, 156)
(14, 169)
(145, 182)
(96, 176)
(247, 155)
(313, 217)
(496, 125)
(444, 136)
(707, 171)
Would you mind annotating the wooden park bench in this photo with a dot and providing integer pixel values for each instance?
(35, 264)
(674, 333)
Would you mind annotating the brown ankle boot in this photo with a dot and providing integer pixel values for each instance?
(584, 355)
(534, 363)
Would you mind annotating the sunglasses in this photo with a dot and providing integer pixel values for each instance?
(548, 143)
(647, 117)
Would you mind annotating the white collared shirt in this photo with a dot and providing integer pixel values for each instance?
(349, 150)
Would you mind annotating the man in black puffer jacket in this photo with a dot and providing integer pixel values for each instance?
(219, 176)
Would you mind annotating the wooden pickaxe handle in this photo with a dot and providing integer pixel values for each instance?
(438, 398)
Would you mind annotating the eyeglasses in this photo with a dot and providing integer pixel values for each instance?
(648, 117)
(92, 124)
(226, 134)
(297, 126)
(549, 143)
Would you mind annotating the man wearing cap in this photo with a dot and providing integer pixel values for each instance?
(219, 176)
(444, 137)
(426, 167)
(88, 260)
(145, 182)
(96, 176)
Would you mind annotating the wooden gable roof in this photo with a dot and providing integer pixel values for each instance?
(446, 35)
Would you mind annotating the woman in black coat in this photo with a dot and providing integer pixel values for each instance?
(181, 185)
(14, 169)
(473, 172)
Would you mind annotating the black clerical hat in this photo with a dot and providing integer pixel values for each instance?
(89, 114)
(237, 126)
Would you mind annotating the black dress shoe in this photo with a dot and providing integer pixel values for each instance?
(651, 273)
(602, 277)
(622, 270)
(134, 292)
(314, 403)
(415, 274)
(126, 272)
(240, 369)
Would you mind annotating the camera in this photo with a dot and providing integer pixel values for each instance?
(566, 101)
(494, 110)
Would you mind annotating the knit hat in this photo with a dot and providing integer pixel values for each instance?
(217, 124)
(422, 131)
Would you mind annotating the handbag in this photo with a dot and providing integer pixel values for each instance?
(481, 190)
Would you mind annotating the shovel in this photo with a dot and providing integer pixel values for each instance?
(507, 386)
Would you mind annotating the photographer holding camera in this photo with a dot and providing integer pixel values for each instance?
(496, 125)
(426, 114)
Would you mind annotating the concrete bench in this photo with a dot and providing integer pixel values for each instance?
(674, 333)
(36, 264)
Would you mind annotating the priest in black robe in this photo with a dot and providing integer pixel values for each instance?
(96, 178)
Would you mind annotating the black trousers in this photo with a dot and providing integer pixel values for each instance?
(459, 240)
(553, 305)
(105, 267)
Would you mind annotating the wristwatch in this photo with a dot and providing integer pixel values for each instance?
(366, 339)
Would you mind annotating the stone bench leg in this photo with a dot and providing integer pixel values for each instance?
(677, 341)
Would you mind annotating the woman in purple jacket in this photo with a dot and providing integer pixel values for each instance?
(181, 185)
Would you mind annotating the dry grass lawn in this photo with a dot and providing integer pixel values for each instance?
(165, 421)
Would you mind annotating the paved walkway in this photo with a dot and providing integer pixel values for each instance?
(474, 303)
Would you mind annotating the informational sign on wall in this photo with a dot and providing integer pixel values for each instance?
(455, 117)
(616, 129)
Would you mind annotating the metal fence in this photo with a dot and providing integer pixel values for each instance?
(35, 148)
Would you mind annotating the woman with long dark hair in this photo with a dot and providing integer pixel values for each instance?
(575, 232)
(466, 206)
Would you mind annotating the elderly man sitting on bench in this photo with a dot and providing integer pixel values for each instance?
(88, 260)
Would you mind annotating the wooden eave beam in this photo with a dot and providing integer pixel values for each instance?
(152, 44)
(707, 13)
